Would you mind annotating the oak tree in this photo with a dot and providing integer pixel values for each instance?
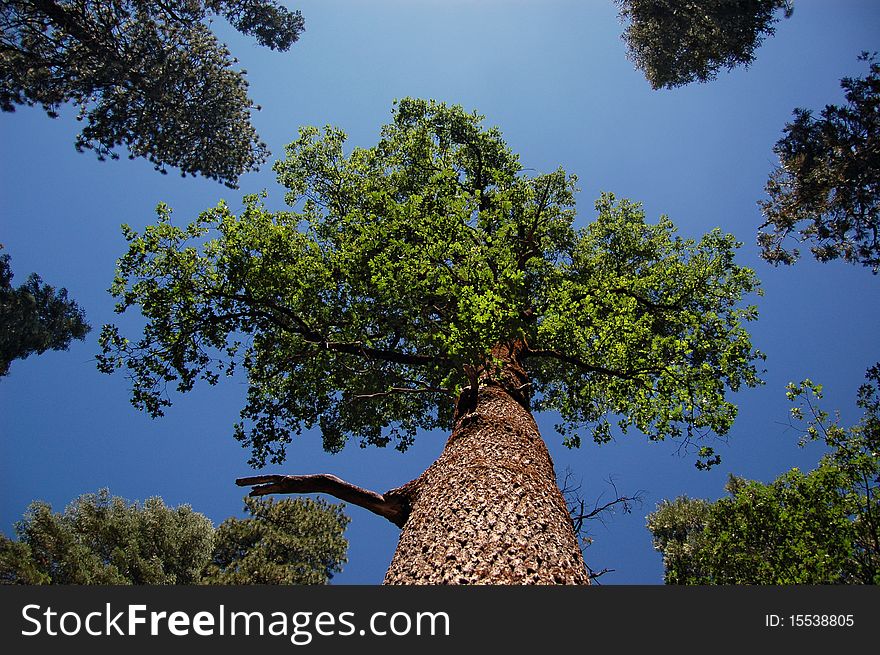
(35, 317)
(676, 42)
(826, 189)
(148, 75)
(428, 282)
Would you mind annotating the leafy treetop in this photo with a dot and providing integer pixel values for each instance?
(104, 539)
(146, 74)
(826, 189)
(287, 541)
(676, 42)
(818, 527)
(382, 293)
(35, 317)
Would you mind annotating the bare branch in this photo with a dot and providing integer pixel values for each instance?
(580, 513)
(597, 574)
(393, 505)
(626, 501)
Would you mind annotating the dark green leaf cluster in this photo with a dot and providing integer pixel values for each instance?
(826, 189)
(676, 42)
(270, 23)
(282, 542)
(103, 539)
(820, 527)
(146, 75)
(369, 307)
(100, 539)
(35, 317)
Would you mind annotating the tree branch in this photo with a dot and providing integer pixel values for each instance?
(298, 326)
(395, 356)
(626, 501)
(401, 390)
(653, 306)
(569, 359)
(393, 505)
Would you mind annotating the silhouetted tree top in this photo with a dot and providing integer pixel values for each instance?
(676, 42)
(148, 75)
(826, 190)
(35, 317)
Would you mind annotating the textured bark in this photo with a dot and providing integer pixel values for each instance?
(489, 510)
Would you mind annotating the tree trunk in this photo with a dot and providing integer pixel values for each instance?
(489, 510)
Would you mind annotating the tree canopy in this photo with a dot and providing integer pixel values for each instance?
(826, 189)
(104, 539)
(676, 42)
(35, 317)
(819, 527)
(100, 539)
(281, 542)
(147, 75)
(369, 306)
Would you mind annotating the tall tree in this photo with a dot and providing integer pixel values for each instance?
(104, 539)
(676, 42)
(819, 527)
(428, 282)
(826, 189)
(147, 74)
(35, 317)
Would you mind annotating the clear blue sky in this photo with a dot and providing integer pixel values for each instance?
(552, 74)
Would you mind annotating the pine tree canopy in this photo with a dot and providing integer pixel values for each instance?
(149, 75)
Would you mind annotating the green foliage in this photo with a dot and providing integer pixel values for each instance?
(17, 564)
(35, 317)
(821, 527)
(367, 308)
(676, 42)
(650, 327)
(101, 539)
(826, 189)
(284, 542)
(791, 531)
(678, 530)
(147, 75)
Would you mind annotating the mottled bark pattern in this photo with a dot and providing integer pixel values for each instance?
(489, 510)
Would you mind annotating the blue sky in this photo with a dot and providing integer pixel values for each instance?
(553, 76)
